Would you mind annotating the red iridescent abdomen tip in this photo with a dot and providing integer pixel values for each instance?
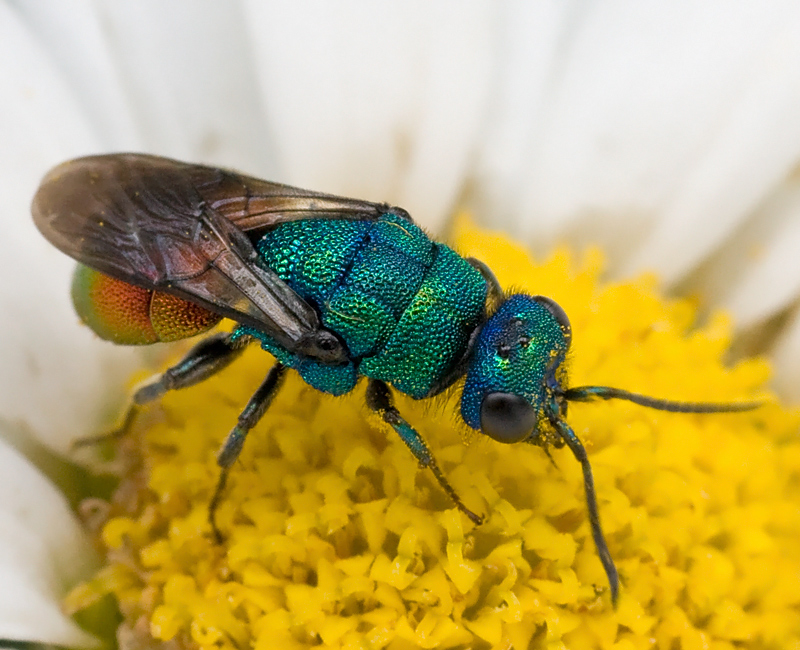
(129, 315)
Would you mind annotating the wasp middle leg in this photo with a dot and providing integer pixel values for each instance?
(379, 399)
(232, 447)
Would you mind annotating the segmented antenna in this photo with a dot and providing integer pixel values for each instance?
(589, 393)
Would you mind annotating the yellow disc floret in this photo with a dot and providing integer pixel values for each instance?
(337, 540)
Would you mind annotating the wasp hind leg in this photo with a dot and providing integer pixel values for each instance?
(232, 447)
(379, 400)
(207, 358)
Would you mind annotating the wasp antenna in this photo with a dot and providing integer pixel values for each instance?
(568, 435)
(588, 393)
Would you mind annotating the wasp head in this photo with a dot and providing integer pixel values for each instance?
(514, 378)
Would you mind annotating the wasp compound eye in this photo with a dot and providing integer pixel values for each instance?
(558, 313)
(506, 417)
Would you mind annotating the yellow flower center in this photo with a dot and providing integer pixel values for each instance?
(336, 538)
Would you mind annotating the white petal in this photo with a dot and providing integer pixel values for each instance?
(531, 42)
(74, 38)
(380, 101)
(187, 73)
(35, 96)
(42, 553)
(753, 145)
(756, 273)
(785, 355)
(657, 126)
(55, 376)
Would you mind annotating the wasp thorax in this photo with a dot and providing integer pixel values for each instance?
(519, 348)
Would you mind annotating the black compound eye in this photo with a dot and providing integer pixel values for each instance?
(558, 313)
(507, 417)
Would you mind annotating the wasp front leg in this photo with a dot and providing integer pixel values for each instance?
(205, 359)
(379, 400)
(232, 447)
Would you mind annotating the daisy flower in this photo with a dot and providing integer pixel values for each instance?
(665, 136)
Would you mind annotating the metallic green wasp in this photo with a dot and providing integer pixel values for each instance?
(336, 289)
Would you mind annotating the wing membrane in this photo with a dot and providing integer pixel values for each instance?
(254, 205)
(180, 228)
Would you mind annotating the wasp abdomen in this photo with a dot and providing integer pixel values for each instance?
(129, 315)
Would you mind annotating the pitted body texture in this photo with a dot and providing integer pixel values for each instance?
(404, 306)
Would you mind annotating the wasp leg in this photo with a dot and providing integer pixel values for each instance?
(379, 400)
(232, 447)
(207, 358)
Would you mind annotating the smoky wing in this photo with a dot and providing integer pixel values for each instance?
(180, 228)
(254, 205)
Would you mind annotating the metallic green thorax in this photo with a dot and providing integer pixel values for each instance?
(405, 306)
